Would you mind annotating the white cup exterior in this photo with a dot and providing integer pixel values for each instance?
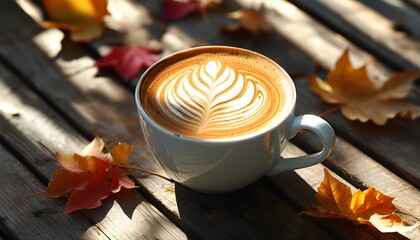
(227, 164)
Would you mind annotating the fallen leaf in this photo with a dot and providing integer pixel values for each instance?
(370, 207)
(178, 9)
(362, 99)
(91, 175)
(248, 20)
(128, 62)
(83, 18)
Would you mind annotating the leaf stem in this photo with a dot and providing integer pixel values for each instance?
(145, 170)
(329, 111)
(294, 75)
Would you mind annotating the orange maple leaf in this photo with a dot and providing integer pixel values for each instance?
(83, 18)
(371, 207)
(91, 175)
(249, 20)
(362, 99)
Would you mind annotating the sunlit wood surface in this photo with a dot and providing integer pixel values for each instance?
(53, 99)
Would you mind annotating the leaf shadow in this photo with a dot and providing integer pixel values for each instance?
(128, 199)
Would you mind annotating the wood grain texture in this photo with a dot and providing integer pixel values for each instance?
(97, 105)
(367, 29)
(102, 106)
(395, 145)
(23, 215)
(316, 40)
(325, 47)
(244, 227)
(403, 17)
(35, 132)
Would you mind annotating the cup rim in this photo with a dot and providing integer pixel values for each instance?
(289, 106)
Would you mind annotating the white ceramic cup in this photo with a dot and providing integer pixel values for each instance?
(226, 164)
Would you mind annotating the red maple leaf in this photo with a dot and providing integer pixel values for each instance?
(128, 62)
(91, 175)
(175, 9)
(178, 9)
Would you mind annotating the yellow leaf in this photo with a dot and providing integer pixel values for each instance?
(371, 207)
(83, 18)
(361, 99)
(121, 152)
(333, 195)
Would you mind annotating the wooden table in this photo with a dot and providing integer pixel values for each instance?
(53, 99)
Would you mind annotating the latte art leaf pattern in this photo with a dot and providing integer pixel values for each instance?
(212, 97)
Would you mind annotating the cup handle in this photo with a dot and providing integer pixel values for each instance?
(321, 128)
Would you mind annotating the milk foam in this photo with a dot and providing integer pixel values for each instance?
(212, 97)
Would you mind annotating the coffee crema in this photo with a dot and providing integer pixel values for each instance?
(215, 93)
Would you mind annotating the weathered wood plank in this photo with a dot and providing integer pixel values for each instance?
(271, 218)
(325, 47)
(164, 186)
(128, 201)
(395, 145)
(403, 17)
(414, 3)
(103, 96)
(310, 37)
(316, 40)
(36, 132)
(26, 216)
(353, 19)
(214, 232)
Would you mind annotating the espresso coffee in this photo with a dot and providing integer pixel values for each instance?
(217, 92)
